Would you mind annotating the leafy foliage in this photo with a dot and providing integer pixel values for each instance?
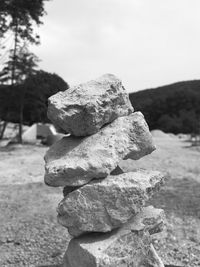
(21, 14)
(25, 64)
(38, 87)
(172, 108)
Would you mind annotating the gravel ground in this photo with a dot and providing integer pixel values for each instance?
(31, 236)
(179, 244)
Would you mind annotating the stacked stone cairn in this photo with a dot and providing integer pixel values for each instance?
(103, 206)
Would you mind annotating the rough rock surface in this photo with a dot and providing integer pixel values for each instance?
(82, 110)
(75, 161)
(106, 204)
(148, 219)
(121, 247)
(69, 189)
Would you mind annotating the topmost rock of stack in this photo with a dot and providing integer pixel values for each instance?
(82, 110)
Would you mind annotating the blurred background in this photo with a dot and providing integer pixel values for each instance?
(48, 46)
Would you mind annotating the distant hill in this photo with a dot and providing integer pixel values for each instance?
(171, 108)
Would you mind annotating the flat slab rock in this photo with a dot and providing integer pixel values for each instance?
(106, 204)
(121, 247)
(82, 110)
(75, 161)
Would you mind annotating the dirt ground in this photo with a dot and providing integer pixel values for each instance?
(30, 235)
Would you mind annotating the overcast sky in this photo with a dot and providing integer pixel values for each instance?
(147, 43)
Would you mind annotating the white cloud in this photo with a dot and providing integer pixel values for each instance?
(146, 43)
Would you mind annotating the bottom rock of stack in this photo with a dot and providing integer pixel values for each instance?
(129, 246)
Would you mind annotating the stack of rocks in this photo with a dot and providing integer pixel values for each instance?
(103, 207)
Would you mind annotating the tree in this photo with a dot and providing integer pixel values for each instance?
(39, 87)
(25, 65)
(19, 17)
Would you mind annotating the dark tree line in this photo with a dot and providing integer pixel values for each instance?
(172, 108)
(38, 88)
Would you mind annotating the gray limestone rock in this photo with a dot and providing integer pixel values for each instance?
(106, 204)
(74, 161)
(148, 219)
(82, 110)
(121, 247)
(69, 189)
